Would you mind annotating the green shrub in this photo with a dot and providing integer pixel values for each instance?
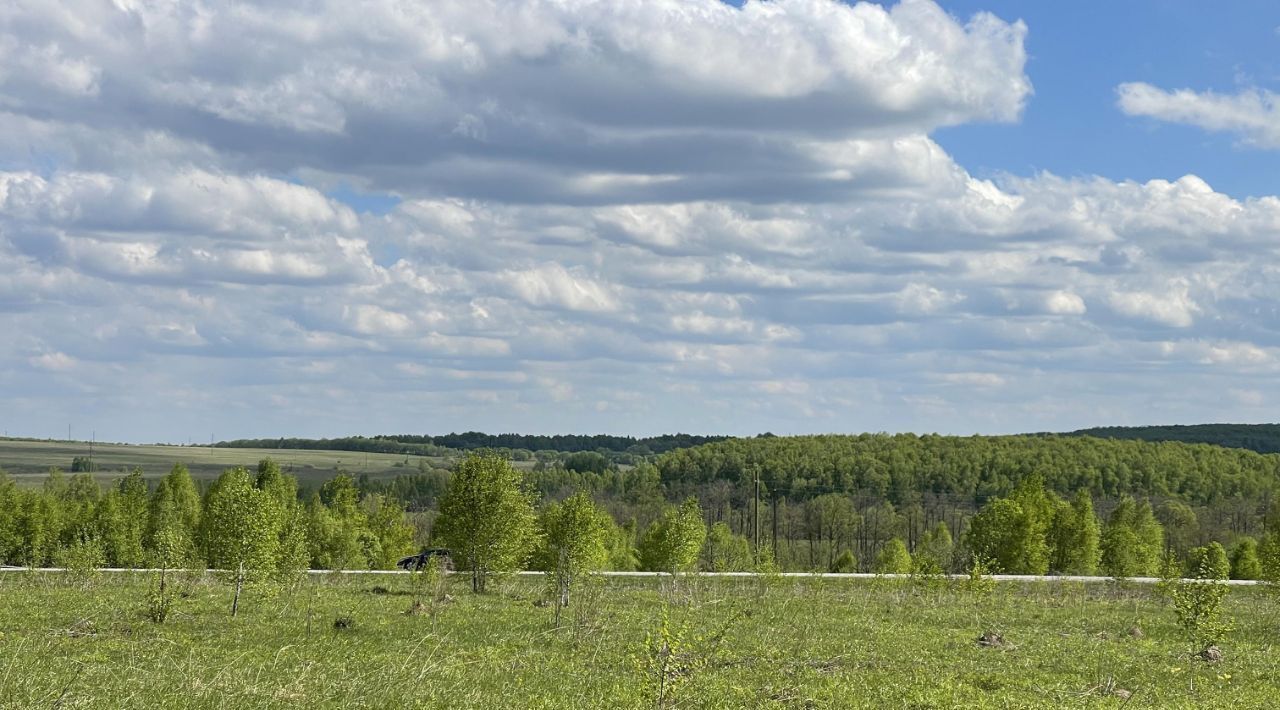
(1245, 563)
(893, 558)
(846, 562)
(1198, 604)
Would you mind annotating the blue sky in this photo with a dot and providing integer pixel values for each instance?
(318, 219)
(1079, 52)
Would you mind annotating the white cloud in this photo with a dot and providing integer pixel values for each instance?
(1252, 114)
(1065, 303)
(1171, 306)
(543, 100)
(54, 361)
(553, 285)
(707, 218)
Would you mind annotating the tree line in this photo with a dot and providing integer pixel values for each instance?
(446, 444)
(904, 466)
(243, 518)
(812, 513)
(1262, 438)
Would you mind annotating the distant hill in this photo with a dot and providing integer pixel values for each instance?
(1263, 438)
(441, 444)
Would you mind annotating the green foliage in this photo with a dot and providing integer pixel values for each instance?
(1180, 526)
(845, 563)
(1269, 557)
(933, 554)
(1169, 574)
(1074, 537)
(725, 551)
(574, 536)
(829, 523)
(341, 496)
(1132, 540)
(1016, 533)
(430, 583)
(896, 465)
(666, 661)
(1263, 438)
(240, 530)
(10, 507)
(620, 544)
(672, 542)
(1198, 605)
(893, 558)
(486, 517)
(36, 525)
(83, 557)
(159, 601)
(978, 581)
(1000, 532)
(173, 519)
(272, 481)
(333, 539)
(391, 535)
(1245, 563)
(132, 521)
(586, 462)
(1210, 560)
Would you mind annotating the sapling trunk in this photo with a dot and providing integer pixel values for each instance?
(235, 601)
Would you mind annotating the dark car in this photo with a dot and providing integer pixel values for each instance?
(413, 563)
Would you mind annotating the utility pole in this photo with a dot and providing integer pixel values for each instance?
(93, 439)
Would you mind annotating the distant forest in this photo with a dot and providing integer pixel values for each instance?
(831, 502)
(1263, 438)
(440, 445)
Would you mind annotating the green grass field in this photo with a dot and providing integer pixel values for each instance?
(30, 460)
(784, 643)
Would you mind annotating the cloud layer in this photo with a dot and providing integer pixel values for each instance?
(1253, 114)
(591, 216)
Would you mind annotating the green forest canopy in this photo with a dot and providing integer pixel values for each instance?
(899, 466)
(1263, 438)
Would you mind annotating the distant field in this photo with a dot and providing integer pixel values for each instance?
(31, 460)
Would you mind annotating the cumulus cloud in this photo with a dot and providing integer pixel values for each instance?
(543, 100)
(670, 215)
(1252, 114)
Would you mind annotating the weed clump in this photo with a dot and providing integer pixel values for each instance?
(344, 622)
(993, 639)
(159, 603)
(1212, 654)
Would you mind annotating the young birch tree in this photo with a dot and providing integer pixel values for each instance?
(486, 517)
(575, 533)
(240, 529)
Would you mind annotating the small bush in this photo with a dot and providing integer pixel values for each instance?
(1198, 604)
(979, 580)
(159, 603)
(845, 563)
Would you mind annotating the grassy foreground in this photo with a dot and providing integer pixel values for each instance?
(782, 643)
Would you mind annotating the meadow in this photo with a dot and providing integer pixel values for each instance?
(28, 462)
(70, 640)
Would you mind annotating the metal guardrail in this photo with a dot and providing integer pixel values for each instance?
(748, 575)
